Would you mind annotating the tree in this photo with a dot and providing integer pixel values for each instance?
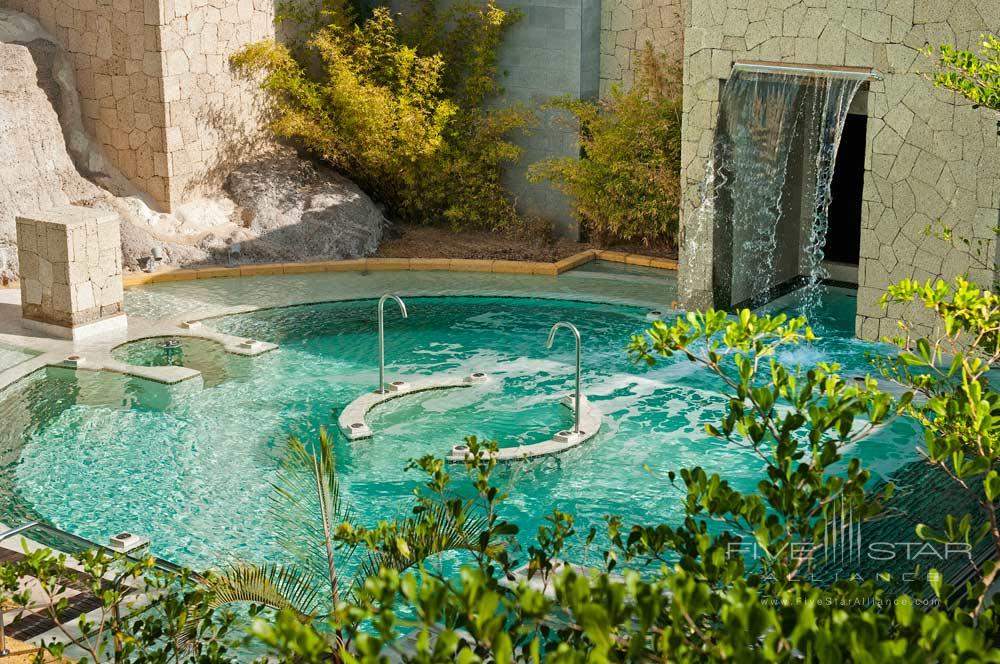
(625, 184)
(398, 105)
(959, 409)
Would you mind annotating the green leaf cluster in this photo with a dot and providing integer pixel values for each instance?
(626, 183)
(398, 105)
(975, 76)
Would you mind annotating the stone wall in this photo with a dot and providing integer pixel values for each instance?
(627, 26)
(113, 49)
(552, 51)
(71, 266)
(155, 86)
(930, 156)
(214, 118)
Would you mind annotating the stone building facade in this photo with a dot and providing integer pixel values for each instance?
(553, 51)
(156, 91)
(627, 26)
(930, 157)
(159, 98)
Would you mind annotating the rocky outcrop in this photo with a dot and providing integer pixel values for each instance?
(295, 210)
(36, 172)
(57, 79)
(285, 209)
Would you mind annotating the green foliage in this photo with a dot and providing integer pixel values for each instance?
(316, 528)
(626, 186)
(145, 615)
(959, 409)
(400, 109)
(975, 76)
(795, 421)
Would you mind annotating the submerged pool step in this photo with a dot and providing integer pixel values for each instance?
(353, 419)
(590, 425)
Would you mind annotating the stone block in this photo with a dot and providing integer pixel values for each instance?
(72, 280)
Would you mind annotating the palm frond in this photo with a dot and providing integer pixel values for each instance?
(307, 508)
(434, 531)
(274, 586)
(271, 585)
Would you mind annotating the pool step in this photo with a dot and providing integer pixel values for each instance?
(353, 419)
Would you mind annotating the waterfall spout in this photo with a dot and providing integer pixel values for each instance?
(763, 219)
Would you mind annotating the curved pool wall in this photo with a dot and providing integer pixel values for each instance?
(98, 452)
(599, 281)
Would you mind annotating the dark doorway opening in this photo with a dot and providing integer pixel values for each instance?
(843, 238)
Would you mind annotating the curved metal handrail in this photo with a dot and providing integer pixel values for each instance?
(576, 395)
(381, 336)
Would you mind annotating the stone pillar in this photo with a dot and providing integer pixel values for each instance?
(71, 271)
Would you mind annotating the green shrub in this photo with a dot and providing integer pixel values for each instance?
(398, 104)
(975, 76)
(626, 186)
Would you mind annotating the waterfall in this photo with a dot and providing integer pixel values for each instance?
(766, 191)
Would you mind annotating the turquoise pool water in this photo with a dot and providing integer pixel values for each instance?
(96, 453)
(10, 357)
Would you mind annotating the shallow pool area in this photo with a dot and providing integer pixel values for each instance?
(190, 465)
(597, 281)
(10, 356)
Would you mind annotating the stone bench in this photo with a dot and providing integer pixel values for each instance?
(71, 271)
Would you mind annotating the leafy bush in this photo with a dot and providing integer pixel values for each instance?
(975, 76)
(626, 186)
(398, 106)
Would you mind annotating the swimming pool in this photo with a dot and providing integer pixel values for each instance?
(96, 452)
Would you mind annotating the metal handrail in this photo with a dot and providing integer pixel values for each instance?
(576, 395)
(160, 563)
(381, 336)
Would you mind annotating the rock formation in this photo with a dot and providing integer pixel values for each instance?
(36, 171)
(297, 211)
(293, 210)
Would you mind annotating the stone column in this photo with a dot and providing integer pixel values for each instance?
(71, 271)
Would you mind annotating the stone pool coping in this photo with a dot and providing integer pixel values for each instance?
(404, 264)
(397, 264)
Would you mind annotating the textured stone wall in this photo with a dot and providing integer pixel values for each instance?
(155, 86)
(71, 266)
(930, 156)
(552, 51)
(627, 26)
(214, 118)
(113, 48)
